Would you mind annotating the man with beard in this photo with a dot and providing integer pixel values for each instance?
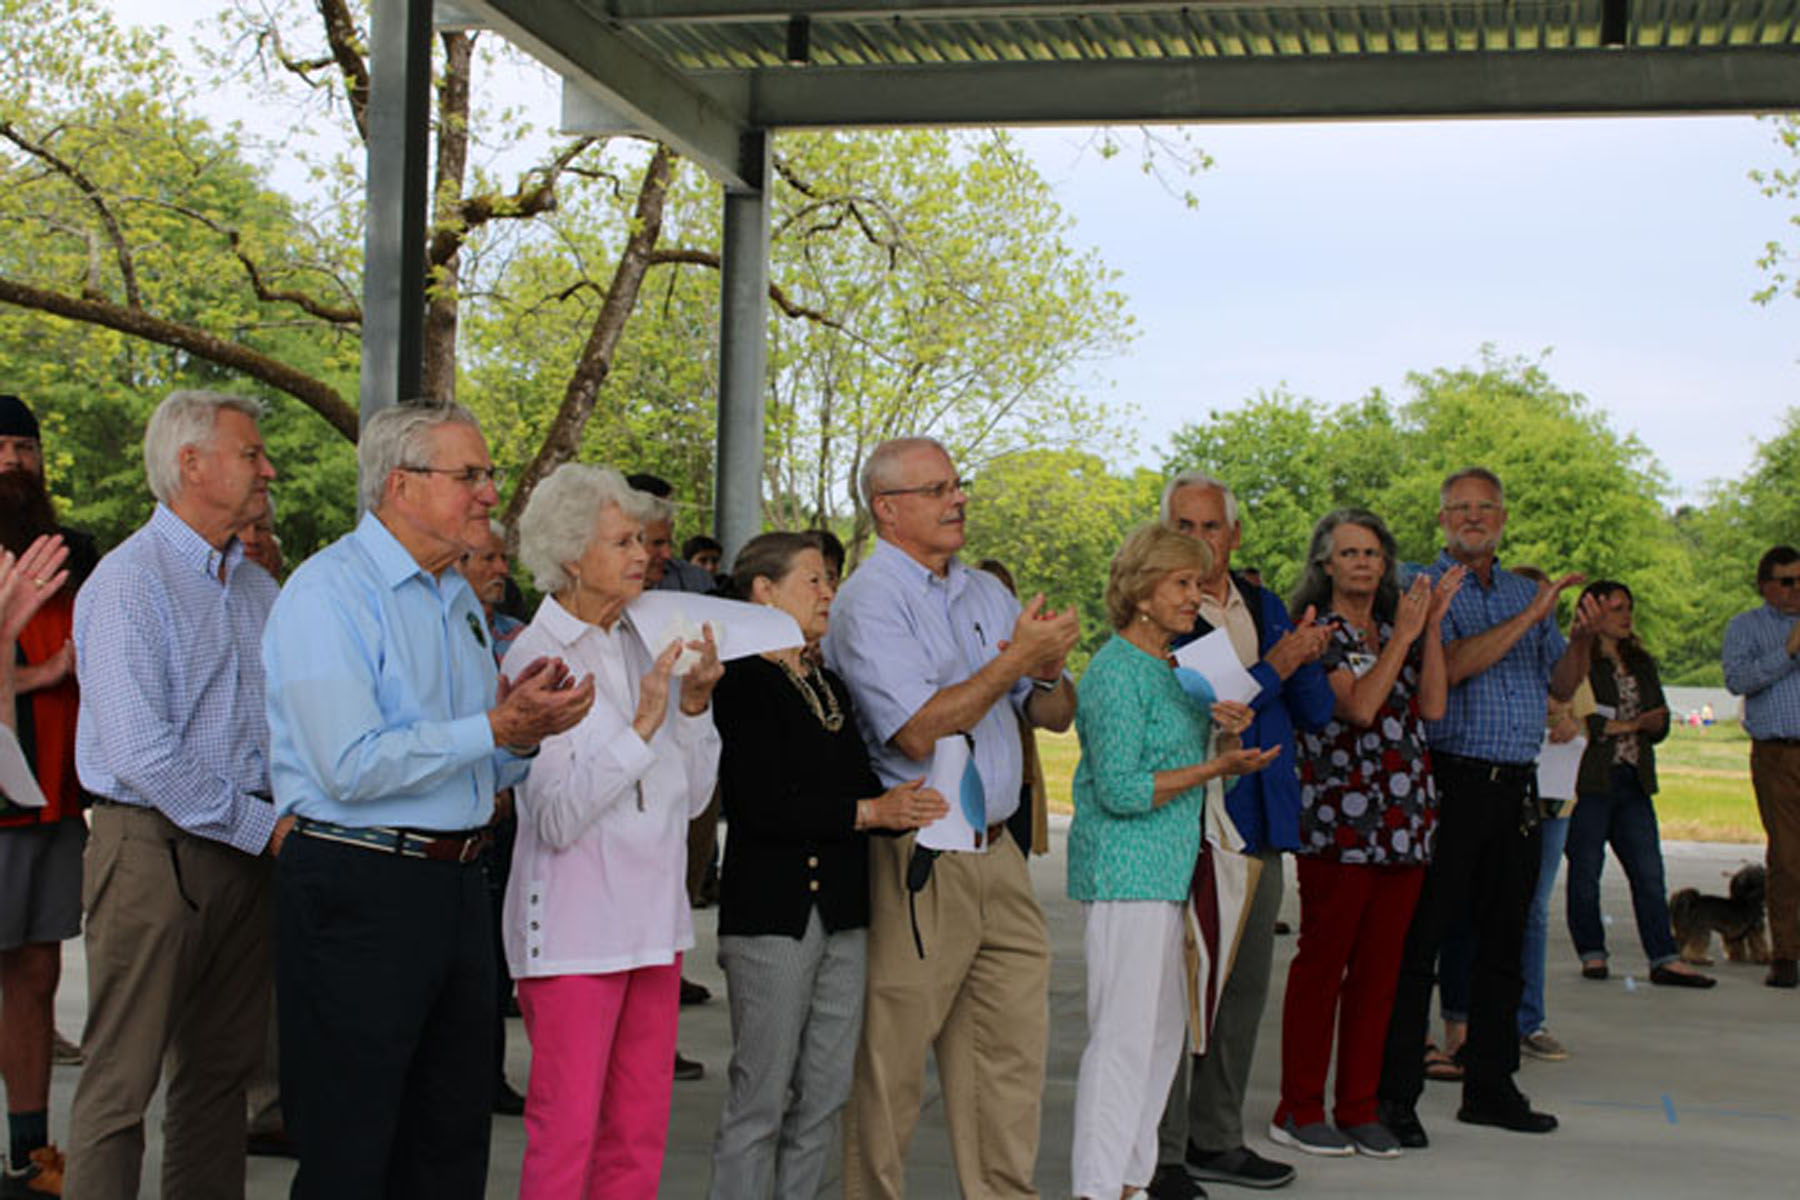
(40, 848)
(1502, 651)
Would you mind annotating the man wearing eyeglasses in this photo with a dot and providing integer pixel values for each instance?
(1762, 664)
(1503, 651)
(390, 732)
(930, 649)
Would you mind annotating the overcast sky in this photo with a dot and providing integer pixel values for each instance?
(1335, 258)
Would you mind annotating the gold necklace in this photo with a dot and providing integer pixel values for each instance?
(827, 711)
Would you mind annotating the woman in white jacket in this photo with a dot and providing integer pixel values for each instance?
(596, 910)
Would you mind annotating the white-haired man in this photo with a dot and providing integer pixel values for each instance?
(390, 735)
(931, 649)
(172, 744)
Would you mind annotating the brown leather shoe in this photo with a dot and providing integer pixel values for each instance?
(1783, 973)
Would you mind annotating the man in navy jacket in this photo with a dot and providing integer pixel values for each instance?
(1203, 1128)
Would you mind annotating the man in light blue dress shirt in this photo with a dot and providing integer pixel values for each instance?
(1762, 664)
(171, 742)
(390, 734)
(931, 649)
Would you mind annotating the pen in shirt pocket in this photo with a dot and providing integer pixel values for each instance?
(979, 634)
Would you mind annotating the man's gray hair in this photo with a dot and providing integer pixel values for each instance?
(497, 527)
(401, 437)
(655, 508)
(184, 419)
(878, 469)
(1198, 479)
(559, 519)
(1482, 473)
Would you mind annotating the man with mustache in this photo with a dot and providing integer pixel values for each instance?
(172, 741)
(933, 649)
(40, 848)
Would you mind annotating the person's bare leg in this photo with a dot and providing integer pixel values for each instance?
(28, 977)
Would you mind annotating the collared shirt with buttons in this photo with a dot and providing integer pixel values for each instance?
(172, 684)
(380, 680)
(1759, 668)
(900, 634)
(598, 879)
(1498, 714)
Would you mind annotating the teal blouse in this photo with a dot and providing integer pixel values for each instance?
(1134, 720)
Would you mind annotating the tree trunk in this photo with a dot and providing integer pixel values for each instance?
(563, 438)
(441, 298)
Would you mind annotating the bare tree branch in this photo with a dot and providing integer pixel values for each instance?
(706, 258)
(336, 314)
(346, 49)
(74, 174)
(321, 397)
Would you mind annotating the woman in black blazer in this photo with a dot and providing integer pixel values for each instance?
(794, 891)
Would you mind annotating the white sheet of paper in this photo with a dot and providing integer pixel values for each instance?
(1606, 712)
(953, 830)
(16, 780)
(1558, 764)
(740, 629)
(1214, 657)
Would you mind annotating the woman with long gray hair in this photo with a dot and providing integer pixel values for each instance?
(1366, 819)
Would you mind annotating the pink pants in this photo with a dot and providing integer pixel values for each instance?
(602, 1067)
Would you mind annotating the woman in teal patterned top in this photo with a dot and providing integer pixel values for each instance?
(1138, 793)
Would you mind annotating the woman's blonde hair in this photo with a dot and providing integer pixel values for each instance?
(1149, 553)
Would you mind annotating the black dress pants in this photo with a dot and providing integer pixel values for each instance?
(385, 978)
(1485, 857)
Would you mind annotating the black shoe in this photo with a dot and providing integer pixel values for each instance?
(1664, 977)
(512, 1007)
(272, 1144)
(694, 993)
(688, 1069)
(507, 1102)
(1783, 973)
(1512, 1112)
(1402, 1120)
(1242, 1166)
(1172, 1182)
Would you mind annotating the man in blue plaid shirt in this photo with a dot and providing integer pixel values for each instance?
(1503, 652)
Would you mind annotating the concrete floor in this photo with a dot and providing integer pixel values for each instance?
(1668, 1092)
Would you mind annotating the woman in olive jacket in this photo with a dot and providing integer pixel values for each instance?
(1616, 781)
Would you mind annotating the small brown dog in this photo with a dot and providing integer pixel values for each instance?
(1738, 918)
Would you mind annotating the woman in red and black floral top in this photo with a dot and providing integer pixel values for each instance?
(1367, 813)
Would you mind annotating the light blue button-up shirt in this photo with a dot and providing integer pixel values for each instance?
(172, 685)
(1759, 668)
(899, 635)
(380, 680)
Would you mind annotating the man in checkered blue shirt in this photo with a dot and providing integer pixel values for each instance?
(1503, 652)
(172, 742)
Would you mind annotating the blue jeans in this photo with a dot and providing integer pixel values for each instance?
(1624, 817)
(1537, 926)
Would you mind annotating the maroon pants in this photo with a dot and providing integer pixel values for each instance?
(1353, 923)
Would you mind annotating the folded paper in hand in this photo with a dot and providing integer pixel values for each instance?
(740, 629)
(1215, 658)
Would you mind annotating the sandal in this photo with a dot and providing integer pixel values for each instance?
(1440, 1066)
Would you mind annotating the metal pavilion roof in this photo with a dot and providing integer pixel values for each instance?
(703, 74)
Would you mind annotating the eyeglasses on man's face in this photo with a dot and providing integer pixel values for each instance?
(472, 477)
(932, 491)
(1784, 581)
(1473, 508)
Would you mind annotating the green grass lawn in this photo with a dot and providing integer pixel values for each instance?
(1705, 776)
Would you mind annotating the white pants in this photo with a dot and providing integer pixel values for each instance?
(1137, 1009)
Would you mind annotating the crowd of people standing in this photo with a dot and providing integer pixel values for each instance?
(293, 793)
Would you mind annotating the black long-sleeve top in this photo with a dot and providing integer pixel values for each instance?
(789, 789)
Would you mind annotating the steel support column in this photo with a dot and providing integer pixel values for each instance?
(399, 125)
(743, 353)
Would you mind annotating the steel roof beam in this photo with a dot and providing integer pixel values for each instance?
(702, 124)
(1453, 84)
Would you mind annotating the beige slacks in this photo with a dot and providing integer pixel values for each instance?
(979, 997)
(178, 934)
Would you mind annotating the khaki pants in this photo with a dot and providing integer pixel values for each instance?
(980, 997)
(1775, 773)
(178, 964)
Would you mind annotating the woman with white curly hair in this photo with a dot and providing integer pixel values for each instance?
(596, 909)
